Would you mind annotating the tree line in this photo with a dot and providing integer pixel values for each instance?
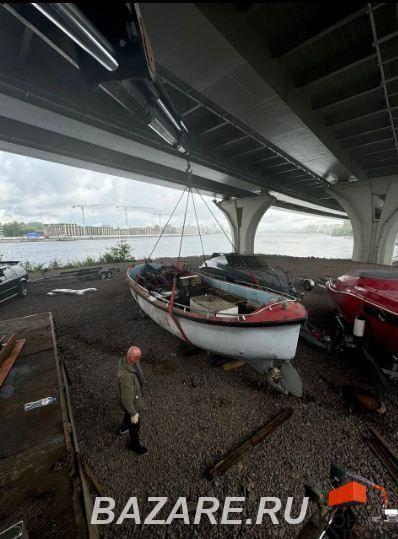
(18, 228)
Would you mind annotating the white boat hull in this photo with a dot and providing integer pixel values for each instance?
(275, 342)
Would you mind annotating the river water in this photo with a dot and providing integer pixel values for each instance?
(317, 245)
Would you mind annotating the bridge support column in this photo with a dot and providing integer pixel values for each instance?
(244, 215)
(373, 211)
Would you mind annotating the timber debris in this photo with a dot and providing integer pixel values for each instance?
(386, 455)
(8, 355)
(225, 463)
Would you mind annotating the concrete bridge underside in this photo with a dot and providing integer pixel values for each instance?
(287, 105)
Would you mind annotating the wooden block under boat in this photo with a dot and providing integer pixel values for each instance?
(233, 364)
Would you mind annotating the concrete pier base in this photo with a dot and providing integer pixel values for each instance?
(373, 211)
(244, 215)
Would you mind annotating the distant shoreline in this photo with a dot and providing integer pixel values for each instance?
(89, 238)
(135, 236)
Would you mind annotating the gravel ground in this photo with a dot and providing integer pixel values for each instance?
(197, 412)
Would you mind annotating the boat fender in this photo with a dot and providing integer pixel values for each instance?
(359, 327)
(308, 284)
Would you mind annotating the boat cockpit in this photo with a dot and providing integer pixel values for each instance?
(203, 293)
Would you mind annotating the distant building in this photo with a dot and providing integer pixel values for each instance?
(191, 230)
(63, 230)
(72, 230)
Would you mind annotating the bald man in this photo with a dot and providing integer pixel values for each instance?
(130, 393)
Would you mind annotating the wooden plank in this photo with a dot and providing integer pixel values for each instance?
(91, 476)
(9, 362)
(88, 503)
(233, 364)
(393, 453)
(6, 350)
(386, 455)
(224, 464)
(82, 500)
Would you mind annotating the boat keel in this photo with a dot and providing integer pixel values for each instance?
(282, 377)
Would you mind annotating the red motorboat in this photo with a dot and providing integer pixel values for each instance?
(367, 300)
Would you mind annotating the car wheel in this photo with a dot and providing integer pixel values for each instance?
(109, 275)
(22, 289)
(103, 275)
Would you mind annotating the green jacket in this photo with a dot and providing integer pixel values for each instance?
(129, 389)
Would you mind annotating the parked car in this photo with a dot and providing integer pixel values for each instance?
(13, 280)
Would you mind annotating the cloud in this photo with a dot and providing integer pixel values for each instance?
(36, 190)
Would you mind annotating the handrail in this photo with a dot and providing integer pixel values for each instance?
(373, 302)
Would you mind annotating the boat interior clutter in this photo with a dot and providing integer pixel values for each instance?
(199, 293)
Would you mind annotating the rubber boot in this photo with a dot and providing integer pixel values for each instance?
(135, 439)
(125, 426)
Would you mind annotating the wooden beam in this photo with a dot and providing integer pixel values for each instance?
(91, 476)
(225, 463)
(10, 360)
(233, 364)
(7, 347)
(384, 452)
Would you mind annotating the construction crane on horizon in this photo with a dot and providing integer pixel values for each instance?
(82, 206)
(127, 208)
(160, 215)
(123, 206)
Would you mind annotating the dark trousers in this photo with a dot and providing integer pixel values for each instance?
(134, 430)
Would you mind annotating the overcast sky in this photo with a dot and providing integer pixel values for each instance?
(36, 190)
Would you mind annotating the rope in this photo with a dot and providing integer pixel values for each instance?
(197, 224)
(174, 287)
(190, 192)
(216, 220)
(186, 210)
(165, 226)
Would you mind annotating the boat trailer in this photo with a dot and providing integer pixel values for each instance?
(344, 338)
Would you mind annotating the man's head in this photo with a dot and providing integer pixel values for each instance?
(133, 355)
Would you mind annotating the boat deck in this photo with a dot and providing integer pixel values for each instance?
(40, 482)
